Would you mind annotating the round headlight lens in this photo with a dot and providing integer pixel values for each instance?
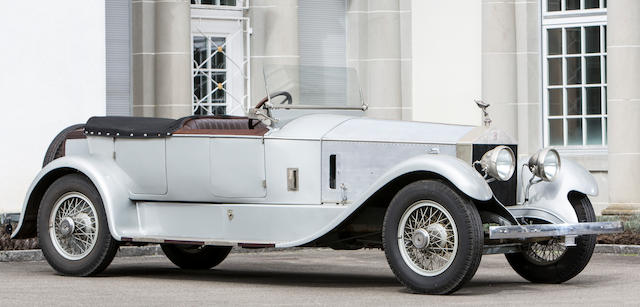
(499, 163)
(504, 164)
(545, 164)
(551, 164)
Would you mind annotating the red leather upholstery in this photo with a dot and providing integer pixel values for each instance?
(221, 126)
(217, 123)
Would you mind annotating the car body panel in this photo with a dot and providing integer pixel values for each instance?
(145, 162)
(232, 189)
(236, 167)
(393, 131)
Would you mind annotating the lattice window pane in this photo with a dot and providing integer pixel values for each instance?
(215, 2)
(575, 84)
(209, 75)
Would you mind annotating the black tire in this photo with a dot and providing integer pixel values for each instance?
(105, 248)
(55, 149)
(195, 257)
(574, 259)
(468, 226)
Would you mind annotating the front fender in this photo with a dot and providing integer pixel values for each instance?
(549, 200)
(111, 182)
(456, 171)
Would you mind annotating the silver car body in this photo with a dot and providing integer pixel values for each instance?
(236, 190)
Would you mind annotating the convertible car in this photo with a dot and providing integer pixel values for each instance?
(434, 197)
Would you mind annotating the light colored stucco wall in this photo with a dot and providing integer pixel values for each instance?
(52, 75)
(447, 63)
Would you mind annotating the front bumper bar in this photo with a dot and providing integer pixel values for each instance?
(553, 230)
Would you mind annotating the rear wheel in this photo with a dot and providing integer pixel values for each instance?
(432, 237)
(551, 261)
(72, 228)
(195, 257)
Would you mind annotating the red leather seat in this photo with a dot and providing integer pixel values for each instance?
(221, 126)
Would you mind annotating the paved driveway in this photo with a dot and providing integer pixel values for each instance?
(307, 277)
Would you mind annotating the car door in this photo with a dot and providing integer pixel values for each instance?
(237, 167)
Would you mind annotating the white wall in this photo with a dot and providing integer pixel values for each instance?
(51, 76)
(447, 63)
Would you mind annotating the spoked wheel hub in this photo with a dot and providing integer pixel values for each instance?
(73, 226)
(67, 227)
(420, 238)
(544, 253)
(427, 238)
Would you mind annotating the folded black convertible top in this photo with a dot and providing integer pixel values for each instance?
(127, 126)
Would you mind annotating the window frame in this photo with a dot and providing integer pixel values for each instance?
(569, 19)
(239, 5)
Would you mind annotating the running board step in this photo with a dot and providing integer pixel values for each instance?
(195, 242)
(553, 230)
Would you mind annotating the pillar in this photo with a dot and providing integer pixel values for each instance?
(499, 63)
(161, 60)
(623, 103)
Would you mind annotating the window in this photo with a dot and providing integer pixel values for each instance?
(322, 41)
(215, 2)
(574, 72)
(209, 75)
(220, 62)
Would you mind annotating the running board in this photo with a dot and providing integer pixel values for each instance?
(553, 230)
(196, 242)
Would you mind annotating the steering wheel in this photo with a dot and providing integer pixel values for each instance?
(287, 99)
(261, 104)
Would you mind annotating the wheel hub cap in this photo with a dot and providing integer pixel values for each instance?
(67, 226)
(438, 233)
(420, 238)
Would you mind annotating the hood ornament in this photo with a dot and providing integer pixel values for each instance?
(486, 121)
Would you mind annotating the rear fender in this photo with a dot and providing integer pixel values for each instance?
(111, 182)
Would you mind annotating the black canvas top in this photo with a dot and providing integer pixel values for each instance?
(126, 126)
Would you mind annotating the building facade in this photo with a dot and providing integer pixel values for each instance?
(543, 65)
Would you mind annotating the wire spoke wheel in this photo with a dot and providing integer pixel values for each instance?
(73, 226)
(427, 238)
(544, 253)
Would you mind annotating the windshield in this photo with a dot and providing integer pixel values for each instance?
(314, 85)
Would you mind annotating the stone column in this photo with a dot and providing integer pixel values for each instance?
(161, 76)
(528, 77)
(499, 63)
(623, 77)
(274, 41)
(378, 43)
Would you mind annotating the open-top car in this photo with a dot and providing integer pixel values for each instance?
(435, 197)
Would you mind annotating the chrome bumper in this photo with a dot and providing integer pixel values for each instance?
(553, 230)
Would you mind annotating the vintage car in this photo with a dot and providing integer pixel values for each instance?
(434, 197)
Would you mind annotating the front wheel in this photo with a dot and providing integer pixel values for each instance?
(72, 228)
(432, 237)
(550, 261)
(195, 257)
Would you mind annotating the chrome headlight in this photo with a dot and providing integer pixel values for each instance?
(545, 164)
(499, 163)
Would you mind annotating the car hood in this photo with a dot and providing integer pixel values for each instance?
(345, 128)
